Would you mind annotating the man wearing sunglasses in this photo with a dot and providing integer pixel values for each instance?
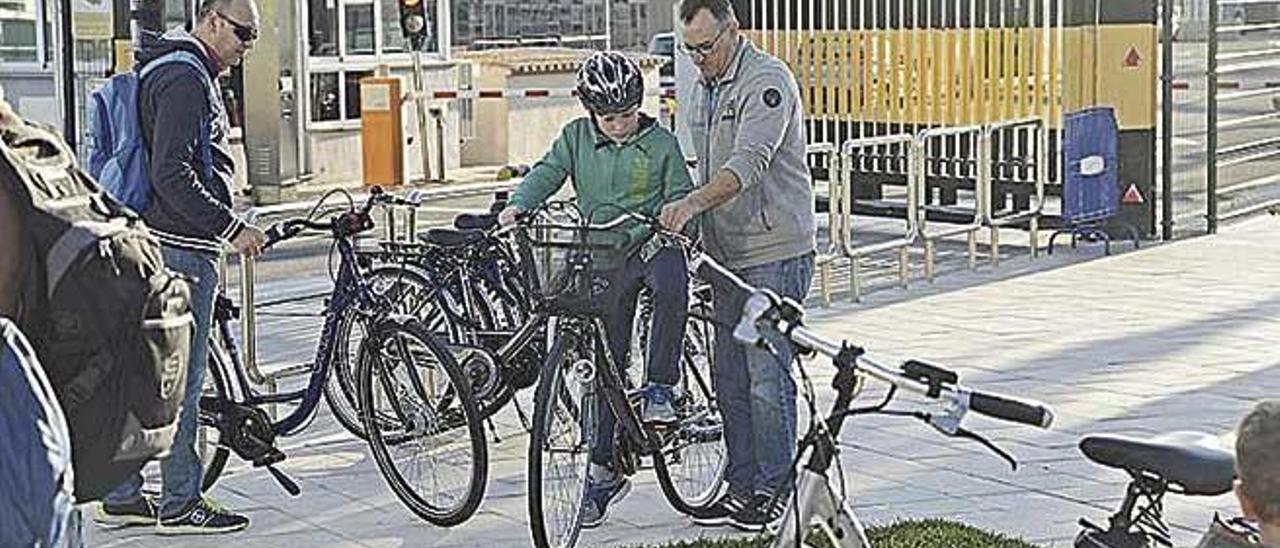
(755, 199)
(185, 129)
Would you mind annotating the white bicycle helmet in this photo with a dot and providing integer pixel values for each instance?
(609, 83)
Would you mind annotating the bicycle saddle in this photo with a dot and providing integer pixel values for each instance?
(445, 237)
(1193, 460)
(468, 221)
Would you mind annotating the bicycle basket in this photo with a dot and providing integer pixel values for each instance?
(560, 266)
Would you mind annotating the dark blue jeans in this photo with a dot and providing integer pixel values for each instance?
(667, 277)
(182, 470)
(755, 390)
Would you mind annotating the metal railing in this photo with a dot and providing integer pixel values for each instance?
(824, 155)
(1026, 133)
(850, 159)
(981, 175)
(1252, 158)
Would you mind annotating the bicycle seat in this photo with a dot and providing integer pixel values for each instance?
(445, 237)
(468, 221)
(1193, 460)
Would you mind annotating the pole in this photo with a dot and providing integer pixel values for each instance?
(419, 108)
(68, 72)
(1166, 121)
(1212, 119)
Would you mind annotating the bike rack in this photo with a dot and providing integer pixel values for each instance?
(1038, 138)
(911, 232)
(981, 174)
(829, 160)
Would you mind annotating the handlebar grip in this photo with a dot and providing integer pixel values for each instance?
(1011, 409)
(275, 234)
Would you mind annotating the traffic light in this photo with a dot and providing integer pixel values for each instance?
(413, 22)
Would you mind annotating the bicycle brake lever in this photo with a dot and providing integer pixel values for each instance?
(965, 433)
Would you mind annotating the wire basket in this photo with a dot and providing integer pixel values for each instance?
(560, 265)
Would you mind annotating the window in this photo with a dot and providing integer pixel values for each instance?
(18, 38)
(392, 37)
(359, 29)
(322, 25)
(353, 93)
(324, 97)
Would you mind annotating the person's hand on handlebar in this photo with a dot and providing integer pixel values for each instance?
(509, 215)
(677, 214)
(249, 241)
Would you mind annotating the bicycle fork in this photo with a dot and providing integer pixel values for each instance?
(815, 503)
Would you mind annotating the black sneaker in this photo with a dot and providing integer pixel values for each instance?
(758, 515)
(139, 512)
(600, 496)
(719, 512)
(202, 517)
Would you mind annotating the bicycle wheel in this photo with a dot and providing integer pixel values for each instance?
(410, 291)
(559, 446)
(209, 447)
(692, 465)
(428, 442)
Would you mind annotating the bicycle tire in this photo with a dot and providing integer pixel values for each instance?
(340, 386)
(560, 400)
(691, 466)
(425, 417)
(213, 456)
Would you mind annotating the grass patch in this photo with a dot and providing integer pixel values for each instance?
(906, 534)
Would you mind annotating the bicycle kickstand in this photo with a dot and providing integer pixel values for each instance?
(818, 505)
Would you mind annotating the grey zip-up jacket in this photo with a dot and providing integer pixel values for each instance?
(751, 123)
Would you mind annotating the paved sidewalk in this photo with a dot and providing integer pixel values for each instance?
(1179, 336)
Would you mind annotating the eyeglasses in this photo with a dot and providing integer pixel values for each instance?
(244, 33)
(702, 50)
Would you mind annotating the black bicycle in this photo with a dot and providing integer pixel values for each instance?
(580, 372)
(1184, 463)
(422, 397)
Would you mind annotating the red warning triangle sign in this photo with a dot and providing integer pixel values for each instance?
(1133, 59)
(1133, 195)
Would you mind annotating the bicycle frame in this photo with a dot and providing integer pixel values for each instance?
(350, 289)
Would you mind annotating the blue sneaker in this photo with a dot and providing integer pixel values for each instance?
(659, 405)
(600, 496)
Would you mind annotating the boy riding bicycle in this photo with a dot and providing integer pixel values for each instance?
(1258, 486)
(621, 160)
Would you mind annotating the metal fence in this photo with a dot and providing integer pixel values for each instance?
(1243, 148)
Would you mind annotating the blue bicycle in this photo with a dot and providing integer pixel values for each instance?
(418, 401)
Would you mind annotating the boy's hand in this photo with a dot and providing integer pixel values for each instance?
(508, 215)
(677, 214)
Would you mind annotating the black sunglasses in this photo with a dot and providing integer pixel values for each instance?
(244, 32)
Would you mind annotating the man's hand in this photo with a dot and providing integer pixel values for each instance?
(508, 215)
(677, 214)
(249, 241)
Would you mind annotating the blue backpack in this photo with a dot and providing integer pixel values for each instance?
(35, 457)
(118, 155)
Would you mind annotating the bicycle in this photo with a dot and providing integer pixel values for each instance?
(815, 501)
(1183, 463)
(393, 345)
(580, 371)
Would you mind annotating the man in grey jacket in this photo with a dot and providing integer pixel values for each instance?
(755, 199)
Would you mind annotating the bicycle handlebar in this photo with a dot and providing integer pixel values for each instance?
(1011, 409)
(352, 222)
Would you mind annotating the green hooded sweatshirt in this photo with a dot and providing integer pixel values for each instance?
(641, 175)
